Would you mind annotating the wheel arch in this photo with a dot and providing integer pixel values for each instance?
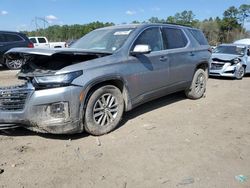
(116, 81)
(202, 65)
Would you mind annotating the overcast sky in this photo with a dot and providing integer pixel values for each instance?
(20, 14)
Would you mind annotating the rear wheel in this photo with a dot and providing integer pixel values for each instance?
(104, 110)
(198, 86)
(14, 64)
(240, 72)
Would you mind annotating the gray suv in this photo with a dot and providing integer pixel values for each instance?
(106, 72)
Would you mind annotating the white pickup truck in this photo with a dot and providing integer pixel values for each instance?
(42, 42)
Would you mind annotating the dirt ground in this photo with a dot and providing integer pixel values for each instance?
(170, 142)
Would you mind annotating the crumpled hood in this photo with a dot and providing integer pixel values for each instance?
(225, 57)
(48, 51)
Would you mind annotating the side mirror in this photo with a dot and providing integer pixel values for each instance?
(141, 49)
(248, 52)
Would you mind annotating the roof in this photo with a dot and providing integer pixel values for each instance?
(243, 41)
(14, 32)
(143, 25)
(234, 44)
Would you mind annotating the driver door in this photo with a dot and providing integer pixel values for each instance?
(149, 71)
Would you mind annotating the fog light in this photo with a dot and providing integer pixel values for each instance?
(59, 110)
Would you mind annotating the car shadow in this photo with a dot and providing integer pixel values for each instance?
(247, 75)
(20, 131)
(3, 68)
(152, 105)
(144, 108)
(221, 78)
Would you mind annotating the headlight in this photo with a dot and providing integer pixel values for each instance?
(235, 61)
(57, 80)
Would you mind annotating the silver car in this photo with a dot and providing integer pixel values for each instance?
(230, 60)
(110, 70)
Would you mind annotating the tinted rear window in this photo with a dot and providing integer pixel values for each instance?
(12, 38)
(199, 36)
(41, 40)
(174, 38)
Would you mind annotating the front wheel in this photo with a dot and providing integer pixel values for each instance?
(240, 72)
(14, 64)
(198, 86)
(104, 110)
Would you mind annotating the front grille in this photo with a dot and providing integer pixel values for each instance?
(13, 98)
(216, 66)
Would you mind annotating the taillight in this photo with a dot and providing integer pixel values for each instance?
(31, 45)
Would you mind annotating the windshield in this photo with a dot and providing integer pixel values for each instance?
(104, 40)
(235, 50)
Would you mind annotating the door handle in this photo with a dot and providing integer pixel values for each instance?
(192, 54)
(163, 58)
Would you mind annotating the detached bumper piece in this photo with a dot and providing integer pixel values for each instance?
(223, 69)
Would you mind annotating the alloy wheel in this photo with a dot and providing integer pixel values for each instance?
(105, 109)
(200, 83)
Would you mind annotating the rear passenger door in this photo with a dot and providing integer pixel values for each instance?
(180, 56)
(8, 41)
(1, 47)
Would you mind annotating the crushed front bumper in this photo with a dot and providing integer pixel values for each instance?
(225, 70)
(55, 110)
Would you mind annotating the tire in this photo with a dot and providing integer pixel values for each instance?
(198, 86)
(240, 72)
(104, 110)
(14, 64)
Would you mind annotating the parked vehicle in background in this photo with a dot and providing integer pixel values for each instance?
(230, 60)
(243, 41)
(42, 42)
(88, 86)
(10, 40)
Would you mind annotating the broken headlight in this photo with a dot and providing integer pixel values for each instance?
(235, 61)
(57, 80)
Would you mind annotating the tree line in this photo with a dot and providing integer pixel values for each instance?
(217, 30)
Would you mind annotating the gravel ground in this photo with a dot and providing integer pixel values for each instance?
(169, 142)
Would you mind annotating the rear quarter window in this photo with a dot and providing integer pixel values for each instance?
(174, 38)
(199, 36)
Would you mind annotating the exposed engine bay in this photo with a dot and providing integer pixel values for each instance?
(42, 64)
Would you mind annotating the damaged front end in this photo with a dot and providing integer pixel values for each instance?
(225, 67)
(48, 101)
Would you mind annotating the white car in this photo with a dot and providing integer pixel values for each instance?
(243, 41)
(230, 60)
(42, 42)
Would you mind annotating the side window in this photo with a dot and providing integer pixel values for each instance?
(33, 40)
(151, 37)
(12, 38)
(41, 40)
(199, 36)
(174, 38)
